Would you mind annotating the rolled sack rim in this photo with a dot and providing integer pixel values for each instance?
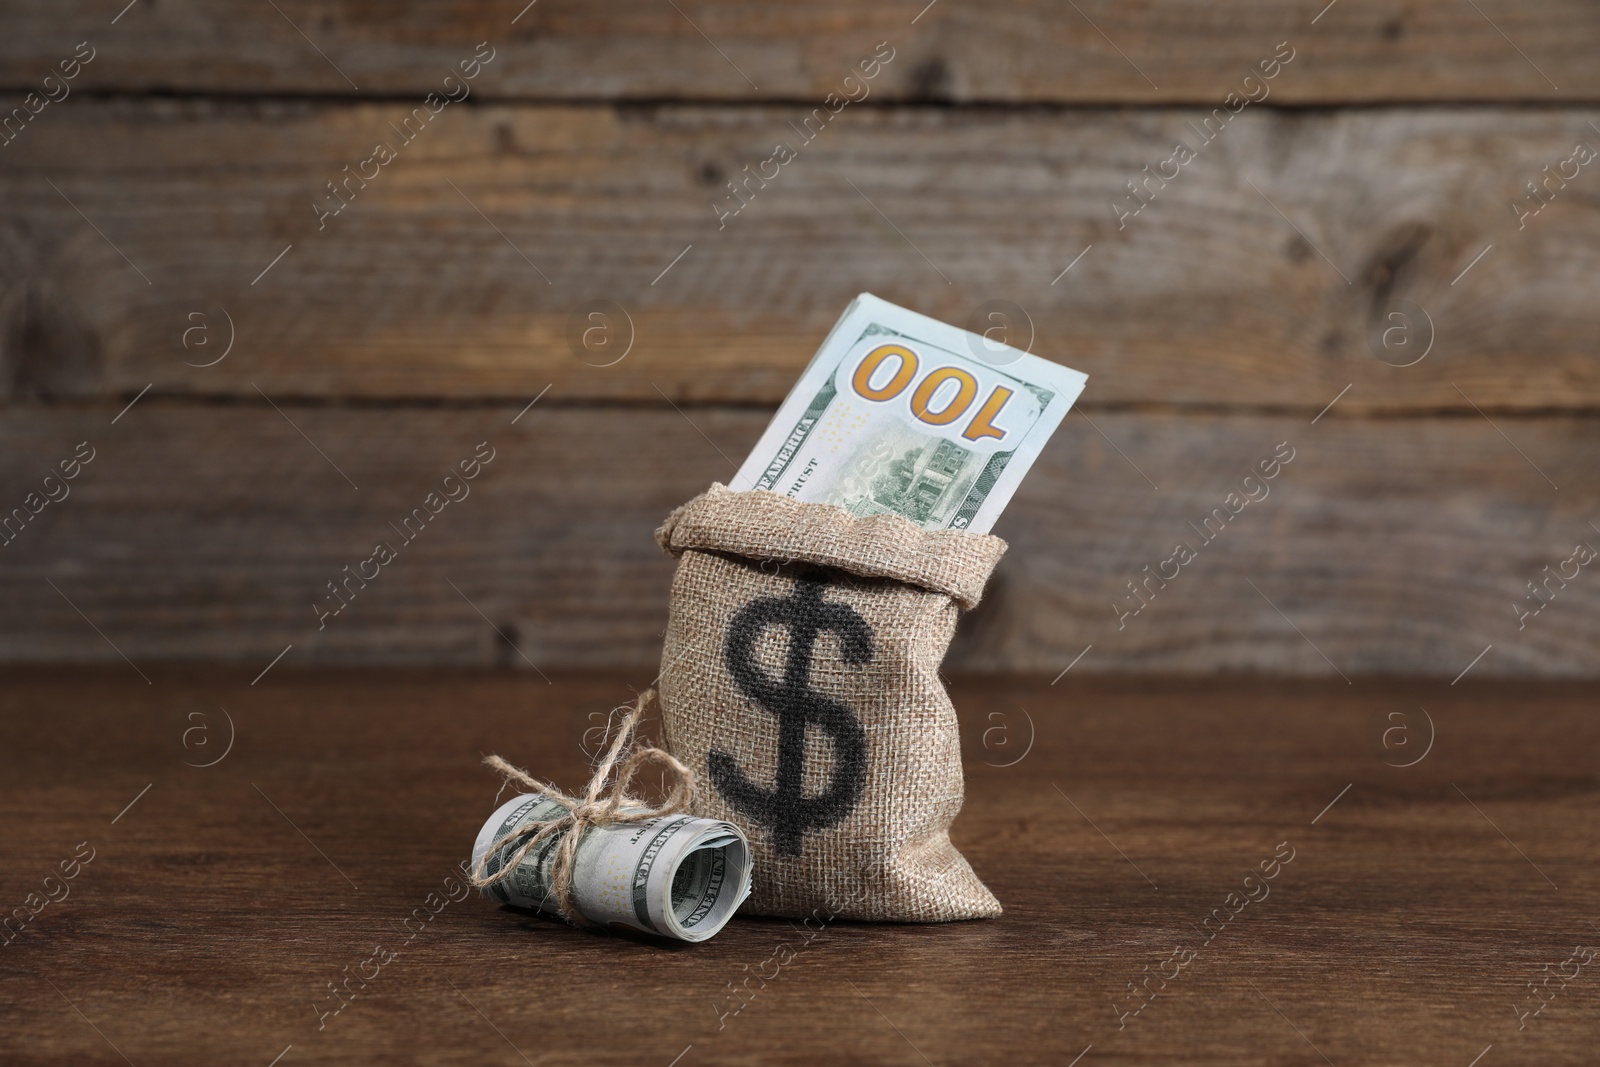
(762, 525)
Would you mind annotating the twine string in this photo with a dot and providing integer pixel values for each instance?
(604, 802)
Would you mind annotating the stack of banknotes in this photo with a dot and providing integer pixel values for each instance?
(903, 414)
(898, 414)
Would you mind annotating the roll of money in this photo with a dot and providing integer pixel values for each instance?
(674, 876)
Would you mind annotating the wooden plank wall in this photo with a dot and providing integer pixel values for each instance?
(1362, 235)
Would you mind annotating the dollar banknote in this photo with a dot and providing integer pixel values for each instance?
(900, 413)
(673, 876)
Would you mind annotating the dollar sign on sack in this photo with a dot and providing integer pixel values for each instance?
(785, 809)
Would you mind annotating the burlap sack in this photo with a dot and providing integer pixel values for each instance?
(800, 682)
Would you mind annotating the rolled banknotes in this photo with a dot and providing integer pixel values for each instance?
(674, 876)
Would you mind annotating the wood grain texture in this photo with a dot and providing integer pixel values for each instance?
(1215, 294)
(217, 908)
(1385, 546)
(1019, 51)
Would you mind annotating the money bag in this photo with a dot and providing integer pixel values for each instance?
(800, 681)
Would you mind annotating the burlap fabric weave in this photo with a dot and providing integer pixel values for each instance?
(800, 683)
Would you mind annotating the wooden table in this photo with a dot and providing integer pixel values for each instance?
(1420, 902)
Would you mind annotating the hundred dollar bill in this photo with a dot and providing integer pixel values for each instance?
(674, 876)
(900, 413)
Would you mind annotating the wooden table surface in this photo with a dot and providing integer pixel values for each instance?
(1424, 906)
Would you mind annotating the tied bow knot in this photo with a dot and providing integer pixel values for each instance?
(604, 802)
